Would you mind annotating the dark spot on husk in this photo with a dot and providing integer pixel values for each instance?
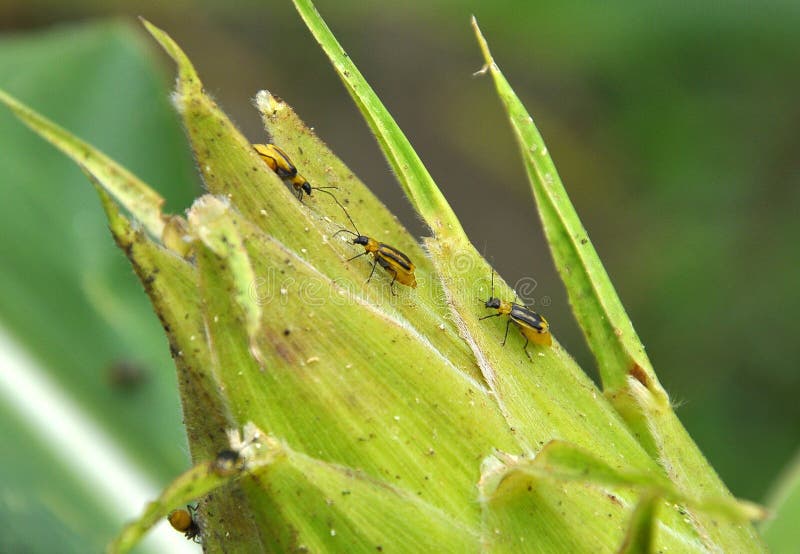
(638, 373)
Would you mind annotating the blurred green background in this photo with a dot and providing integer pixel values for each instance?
(674, 127)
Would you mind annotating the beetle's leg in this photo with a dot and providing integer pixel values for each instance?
(391, 285)
(490, 315)
(356, 256)
(373, 269)
(506, 335)
(525, 348)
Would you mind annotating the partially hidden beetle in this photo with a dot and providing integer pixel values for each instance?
(278, 161)
(533, 326)
(184, 522)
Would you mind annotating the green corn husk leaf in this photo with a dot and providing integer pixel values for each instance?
(341, 500)
(385, 415)
(557, 384)
(123, 185)
(627, 374)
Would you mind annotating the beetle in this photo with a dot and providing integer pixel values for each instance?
(184, 522)
(278, 161)
(396, 264)
(533, 326)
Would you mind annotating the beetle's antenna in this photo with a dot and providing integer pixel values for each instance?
(344, 231)
(492, 282)
(350, 219)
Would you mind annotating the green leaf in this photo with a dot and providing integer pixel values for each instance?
(68, 297)
(320, 506)
(609, 332)
(357, 394)
(412, 175)
(627, 375)
(231, 168)
(371, 393)
(524, 514)
(565, 462)
(425, 310)
(464, 276)
(139, 199)
(192, 484)
(171, 283)
(781, 531)
(76, 519)
(333, 509)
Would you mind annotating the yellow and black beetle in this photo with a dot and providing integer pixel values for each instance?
(533, 327)
(278, 161)
(184, 522)
(396, 264)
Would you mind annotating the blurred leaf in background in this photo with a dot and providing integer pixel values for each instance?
(67, 295)
(780, 532)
